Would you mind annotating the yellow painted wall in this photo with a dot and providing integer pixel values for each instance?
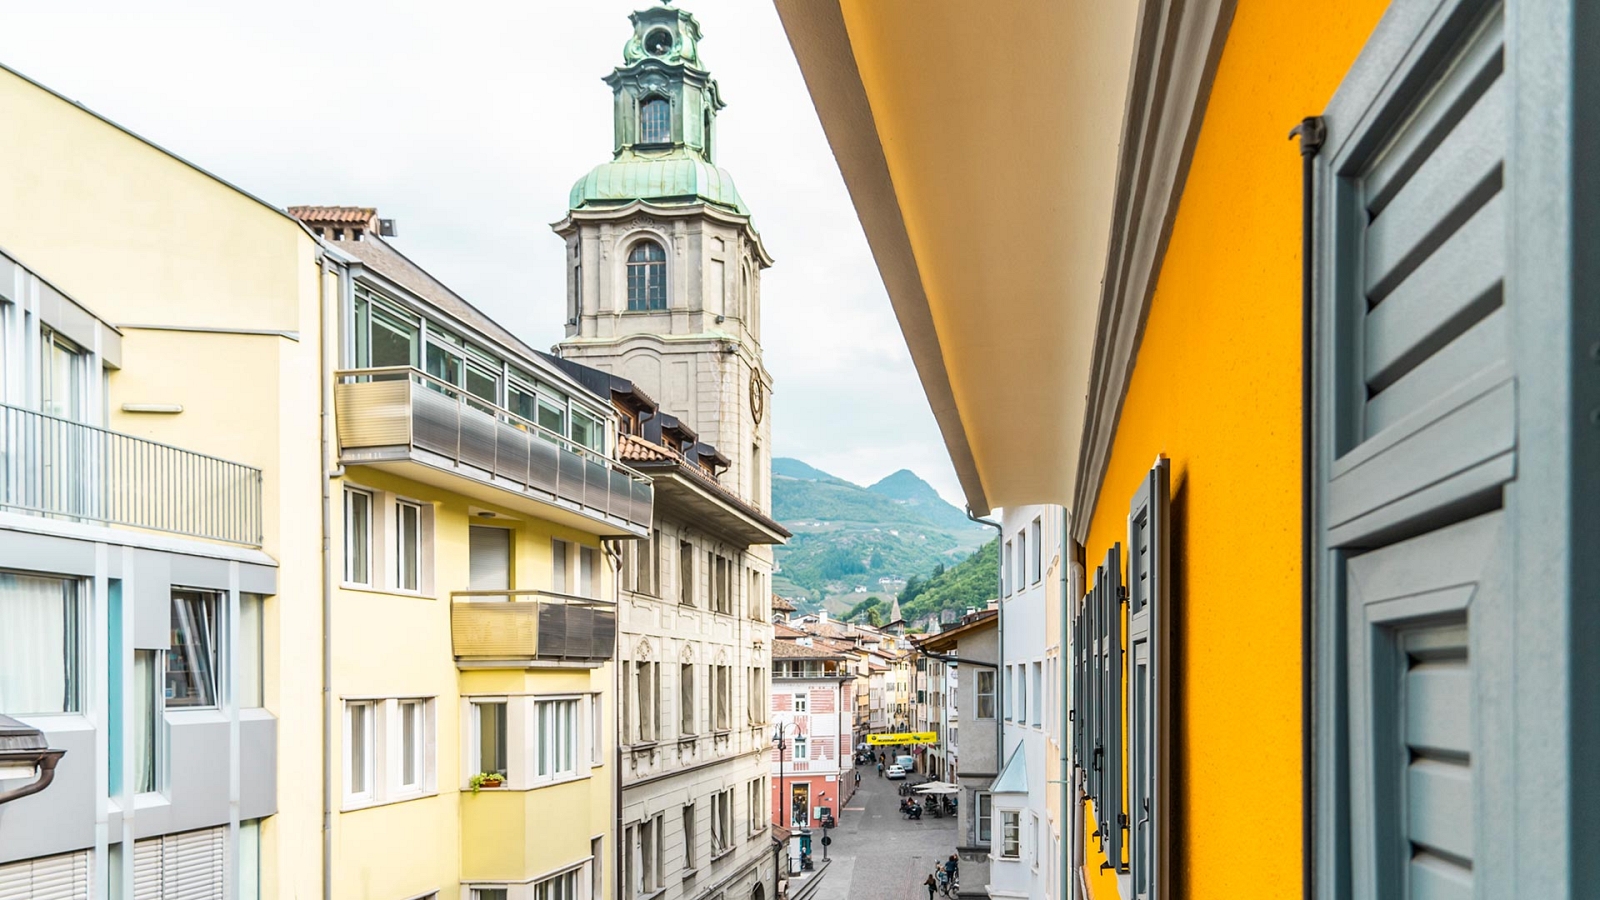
(395, 644)
(1217, 389)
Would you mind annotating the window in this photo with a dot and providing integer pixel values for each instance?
(1022, 694)
(384, 337)
(357, 536)
(192, 659)
(489, 720)
(412, 736)
(1005, 572)
(1022, 560)
(686, 573)
(801, 748)
(1010, 834)
(755, 797)
(985, 815)
(647, 277)
(721, 822)
(61, 377)
(655, 121)
(408, 545)
(722, 684)
(41, 648)
(556, 746)
(489, 893)
(597, 729)
(1036, 551)
(686, 719)
(651, 843)
(1038, 694)
(588, 572)
(758, 601)
(250, 652)
(755, 708)
(147, 720)
(647, 695)
(689, 839)
(800, 701)
(985, 690)
(359, 726)
(629, 863)
(559, 887)
(596, 869)
(1011, 692)
(588, 432)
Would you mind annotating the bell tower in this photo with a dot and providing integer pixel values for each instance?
(663, 262)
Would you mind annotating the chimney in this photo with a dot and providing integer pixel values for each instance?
(343, 223)
(822, 616)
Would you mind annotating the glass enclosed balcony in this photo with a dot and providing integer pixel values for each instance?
(55, 467)
(530, 626)
(403, 420)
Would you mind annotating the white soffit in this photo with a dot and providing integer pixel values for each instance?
(980, 146)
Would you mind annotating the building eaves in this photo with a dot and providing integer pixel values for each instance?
(790, 650)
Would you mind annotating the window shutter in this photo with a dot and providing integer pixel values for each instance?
(489, 558)
(61, 877)
(192, 865)
(147, 869)
(1108, 804)
(1148, 678)
(1415, 427)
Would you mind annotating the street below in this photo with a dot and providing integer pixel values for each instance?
(879, 854)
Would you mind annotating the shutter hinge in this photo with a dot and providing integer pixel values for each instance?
(1312, 132)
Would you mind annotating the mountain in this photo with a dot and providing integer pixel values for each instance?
(848, 537)
(949, 593)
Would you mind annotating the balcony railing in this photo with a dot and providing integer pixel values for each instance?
(531, 625)
(402, 410)
(64, 469)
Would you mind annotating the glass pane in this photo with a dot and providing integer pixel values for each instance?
(655, 122)
(358, 748)
(39, 647)
(409, 539)
(192, 659)
(546, 737)
(488, 894)
(444, 365)
(483, 384)
(250, 654)
(521, 401)
(394, 343)
(552, 418)
(60, 383)
(492, 737)
(363, 348)
(146, 716)
(358, 537)
(586, 431)
(410, 737)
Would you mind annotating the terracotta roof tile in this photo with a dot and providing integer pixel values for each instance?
(633, 448)
(313, 215)
(792, 650)
(779, 603)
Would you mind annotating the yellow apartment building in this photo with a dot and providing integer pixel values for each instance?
(389, 676)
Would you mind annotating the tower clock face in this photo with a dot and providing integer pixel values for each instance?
(658, 42)
(758, 399)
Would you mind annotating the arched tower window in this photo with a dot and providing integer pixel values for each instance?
(647, 276)
(655, 121)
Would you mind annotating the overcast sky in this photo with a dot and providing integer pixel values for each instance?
(468, 122)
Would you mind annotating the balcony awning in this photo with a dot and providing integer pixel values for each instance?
(980, 147)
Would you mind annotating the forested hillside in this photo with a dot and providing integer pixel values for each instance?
(970, 584)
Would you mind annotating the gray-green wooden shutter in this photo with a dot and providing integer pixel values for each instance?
(1092, 747)
(1415, 438)
(1108, 785)
(1149, 708)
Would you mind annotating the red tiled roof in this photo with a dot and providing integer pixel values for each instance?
(780, 630)
(357, 215)
(632, 448)
(793, 650)
(781, 604)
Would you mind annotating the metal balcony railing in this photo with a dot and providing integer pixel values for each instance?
(531, 625)
(60, 468)
(404, 409)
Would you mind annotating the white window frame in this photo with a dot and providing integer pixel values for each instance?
(689, 837)
(979, 694)
(556, 752)
(802, 702)
(597, 729)
(411, 712)
(351, 541)
(1010, 824)
(475, 731)
(367, 749)
(401, 507)
(1036, 550)
(722, 842)
(983, 809)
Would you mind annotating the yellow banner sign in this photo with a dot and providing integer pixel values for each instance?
(909, 737)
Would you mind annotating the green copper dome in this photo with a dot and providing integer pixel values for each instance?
(675, 178)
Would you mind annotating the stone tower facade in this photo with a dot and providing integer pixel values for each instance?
(663, 263)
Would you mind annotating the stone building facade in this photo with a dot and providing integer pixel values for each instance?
(663, 311)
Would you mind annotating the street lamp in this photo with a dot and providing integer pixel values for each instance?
(778, 741)
(24, 753)
(825, 839)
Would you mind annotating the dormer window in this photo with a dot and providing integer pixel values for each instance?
(647, 277)
(655, 121)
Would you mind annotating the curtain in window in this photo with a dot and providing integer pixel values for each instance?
(192, 661)
(145, 714)
(38, 645)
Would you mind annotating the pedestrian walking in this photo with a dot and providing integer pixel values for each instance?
(932, 885)
(880, 770)
(858, 777)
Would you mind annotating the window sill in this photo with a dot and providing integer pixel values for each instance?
(384, 592)
(354, 805)
(689, 873)
(718, 857)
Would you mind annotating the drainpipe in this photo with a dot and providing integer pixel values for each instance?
(330, 472)
(1312, 132)
(616, 707)
(1000, 632)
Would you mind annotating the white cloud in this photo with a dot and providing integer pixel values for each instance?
(468, 123)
